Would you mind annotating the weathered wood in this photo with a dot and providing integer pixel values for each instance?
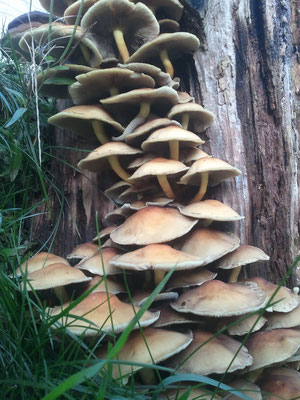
(247, 73)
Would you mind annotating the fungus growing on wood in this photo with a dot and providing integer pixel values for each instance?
(192, 116)
(168, 26)
(99, 263)
(59, 6)
(171, 8)
(83, 251)
(185, 279)
(243, 327)
(278, 320)
(106, 285)
(73, 9)
(245, 387)
(39, 261)
(280, 383)
(122, 23)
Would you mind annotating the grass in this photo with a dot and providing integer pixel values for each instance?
(36, 361)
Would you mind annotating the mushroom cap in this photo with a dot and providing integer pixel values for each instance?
(134, 193)
(60, 36)
(161, 78)
(55, 82)
(54, 275)
(151, 224)
(219, 170)
(136, 21)
(171, 8)
(79, 119)
(243, 327)
(59, 6)
(158, 166)
(161, 344)
(94, 314)
(113, 287)
(159, 201)
(218, 299)
(95, 85)
(199, 118)
(176, 44)
(157, 257)
(138, 135)
(140, 298)
(209, 244)
(283, 383)
(168, 317)
(243, 255)
(248, 388)
(99, 264)
(118, 215)
(189, 278)
(83, 251)
(160, 99)
(269, 347)
(210, 209)
(104, 233)
(159, 140)
(289, 319)
(288, 299)
(72, 11)
(94, 161)
(139, 161)
(116, 189)
(39, 261)
(207, 355)
(167, 25)
(188, 156)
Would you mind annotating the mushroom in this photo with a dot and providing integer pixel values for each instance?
(168, 26)
(192, 116)
(105, 284)
(169, 317)
(165, 47)
(130, 25)
(76, 9)
(83, 251)
(59, 6)
(290, 319)
(185, 279)
(99, 264)
(39, 261)
(243, 326)
(110, 151)
(280, 383)
(141, 297)
(104, 233)
(208, 171)
(251, 390)
(162, 169)
(171, 8)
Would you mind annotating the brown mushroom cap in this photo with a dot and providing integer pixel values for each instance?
(83, 251)
(54, 275)
(199, 118)
(104, 233)
(168, 317)
(155, 256)
(161, 344)
(288, 299)
(243, 327)
(210, 209)
(137, 23)
(39, 261)
(269, 347)
(99, 264)
(283, 383)
(159, 140)
(218, 170)
(167, 25)
(60, 36)
(79, 119)
(59, 6)
(112, 287)
(151, 224)
(289, 319)
(135, 193)
(95, 313)
(218, 299)
(189, 278)
(176, 44)
(95, 85)
(243, 255)
(116, 189)
(214, 356)
(94, 161)
(140, 298)
(248, 388)
(209, 244)
(158, 166)
(71, 12)
(171, 8)
(188, 156)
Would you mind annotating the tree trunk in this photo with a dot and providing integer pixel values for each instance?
(247, 72)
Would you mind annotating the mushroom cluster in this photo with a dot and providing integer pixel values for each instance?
(126, 100)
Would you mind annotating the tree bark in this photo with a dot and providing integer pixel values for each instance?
(247, 73)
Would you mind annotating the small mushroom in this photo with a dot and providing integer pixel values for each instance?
(192, 116)
(39, 261)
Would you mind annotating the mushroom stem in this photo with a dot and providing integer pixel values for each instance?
(147, 376)
(61, 294)
(164, 183)
(167, 62)
(136, 122)
(120, 42)
(234, 274)
(99, 130)
(113, 91)
(185, 119)
(120, 171)
(85, 53)
(174, 149)
(202, 190)
(158, 276)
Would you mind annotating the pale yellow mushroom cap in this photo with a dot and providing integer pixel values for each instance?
(288, 299)
(218, 299)
(96, 316)
(168, 317)
(39, 261)
(161, 344)
(188, 156)
(199, 118)
(289, 319)
(99, 264)
(218, 170)
(113, 287)
(152, 224)
(184, 279)
(141, 297)
(213, 357)
(210, 244)
(104, 233)
(54, 275)
(243, 255)
(244, 326)
(83, 251)
(158, 166)
(270, 347)
(211, 209)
